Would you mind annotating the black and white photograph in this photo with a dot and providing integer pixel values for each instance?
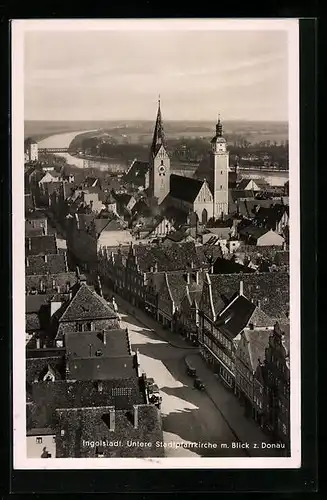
(156, 237)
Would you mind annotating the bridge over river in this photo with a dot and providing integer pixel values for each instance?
(56, 150)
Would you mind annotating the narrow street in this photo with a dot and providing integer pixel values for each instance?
(188, 414)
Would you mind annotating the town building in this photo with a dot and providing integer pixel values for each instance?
(31, 150)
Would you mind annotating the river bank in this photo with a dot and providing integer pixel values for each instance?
(274, 178)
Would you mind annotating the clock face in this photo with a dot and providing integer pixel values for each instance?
(162, 170)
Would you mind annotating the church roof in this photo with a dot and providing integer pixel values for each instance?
(184, 188)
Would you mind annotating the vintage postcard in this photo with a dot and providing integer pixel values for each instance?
(156, 263)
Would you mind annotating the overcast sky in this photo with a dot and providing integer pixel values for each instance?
(116, 75)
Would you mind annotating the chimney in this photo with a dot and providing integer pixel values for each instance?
(104, 337)
(112, 419)
(100, 287)
(241, 287)
(38, 343)
(136, 416)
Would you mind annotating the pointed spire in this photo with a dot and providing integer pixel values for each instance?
(219, 127)
(158, 135)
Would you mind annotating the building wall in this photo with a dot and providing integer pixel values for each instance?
(270, 239)
(159, 182)
(35, 449)
(204, 201)
(221, 168)
(97, 325)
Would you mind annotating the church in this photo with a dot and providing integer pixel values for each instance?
(207, 197)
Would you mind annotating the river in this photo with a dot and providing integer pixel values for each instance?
(64, 140)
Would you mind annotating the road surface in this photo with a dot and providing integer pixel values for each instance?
(188, 414)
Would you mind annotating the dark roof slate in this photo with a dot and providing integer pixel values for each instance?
(184, 188)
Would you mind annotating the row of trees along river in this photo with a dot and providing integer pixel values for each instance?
(268, 154)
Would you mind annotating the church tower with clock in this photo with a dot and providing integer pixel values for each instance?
(220, 165)
(159, 162)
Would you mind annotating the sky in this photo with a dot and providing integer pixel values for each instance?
(118, 75)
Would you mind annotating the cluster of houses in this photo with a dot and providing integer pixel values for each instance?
(209, 261)
(85, 393)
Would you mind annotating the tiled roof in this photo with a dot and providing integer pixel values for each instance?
(141, 208)
(207, 255)
(49, 396)
(93, 425)
(176, 236)
(137, 172)
(109, 224)
(177, 284)
(184, 188)
(33, 303)
(40, 245)
(169, 258)
(258, 340)
(86, 304)
(83, 346)
(177, 216)
(33, 231)
(36, 367)
(271, 216)
(238, 194)
(32, 322)
(99, 368)
(40, 264)
(51, 282)
(272, 289)
(29, 203)
(36, 215)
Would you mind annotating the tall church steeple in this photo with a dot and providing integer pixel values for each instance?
(159, 162)
(159, 134)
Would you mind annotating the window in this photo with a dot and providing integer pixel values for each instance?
(221, 187)
(59, 343)
(98, 352)
(79, 327)
(89, 326)
(38, 440)
(62, 432)
(54, 439)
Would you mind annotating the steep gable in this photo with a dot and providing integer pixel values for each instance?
(86, 304)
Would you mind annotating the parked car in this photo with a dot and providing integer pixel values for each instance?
(198, 384)
(149, 381)
(154, 395)
(190, 370)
